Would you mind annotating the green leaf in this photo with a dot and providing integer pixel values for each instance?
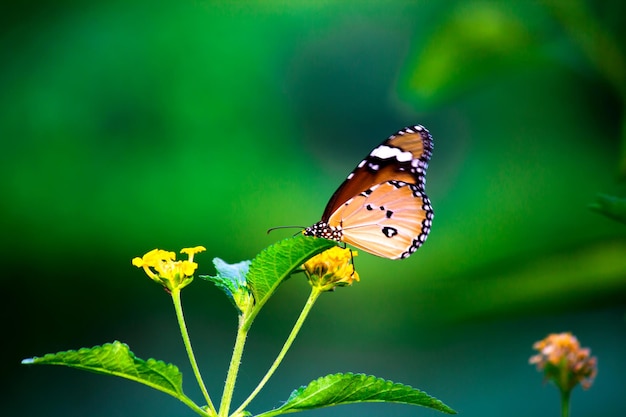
(355, 388)
(276, 263)
(610, 206)
(454, 55)
(117, 359)
(231, 278)
(235, 273)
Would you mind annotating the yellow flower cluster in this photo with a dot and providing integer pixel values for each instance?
(564, 361)
(331, 268)
(162, 267)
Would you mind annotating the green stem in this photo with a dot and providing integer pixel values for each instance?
(565, 395)
(186, 400)
(233, 368)
(315, 293)
(192, 359)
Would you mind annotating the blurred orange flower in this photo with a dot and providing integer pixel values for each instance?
(563, 361)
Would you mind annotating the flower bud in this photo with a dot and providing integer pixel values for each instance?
(564, 362)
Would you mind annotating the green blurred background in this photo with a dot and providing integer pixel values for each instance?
(132, 125)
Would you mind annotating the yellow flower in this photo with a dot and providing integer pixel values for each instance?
(162, 267)
(563, 361)
(331, 268)
(192, 251)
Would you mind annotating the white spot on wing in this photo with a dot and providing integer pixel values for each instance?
(386, 152)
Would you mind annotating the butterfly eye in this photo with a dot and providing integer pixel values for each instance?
(381, 207)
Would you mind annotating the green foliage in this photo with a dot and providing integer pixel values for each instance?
(230, 278)
(349, 388)
(261, 277)
(117, 359)
(470, 44)
(276, 263)
(611, 206)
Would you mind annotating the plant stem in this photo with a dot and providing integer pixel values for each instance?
(192, 359)
(565, 395)
(186, 400)
(233, 368)
(315, 293)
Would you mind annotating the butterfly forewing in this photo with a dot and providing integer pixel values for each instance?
(390, 220)
(402, 157)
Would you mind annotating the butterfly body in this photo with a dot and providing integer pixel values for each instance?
(382, 207)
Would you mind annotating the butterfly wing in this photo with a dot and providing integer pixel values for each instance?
(391, 219)
(403, 157)
(382, 207)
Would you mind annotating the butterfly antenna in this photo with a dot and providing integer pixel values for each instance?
(284, 227)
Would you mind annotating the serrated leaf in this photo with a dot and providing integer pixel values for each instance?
(275, 263)
(350, 388)
(230, 278)
(117, 359)
(234, 272)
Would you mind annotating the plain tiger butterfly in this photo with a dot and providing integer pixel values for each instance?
(382, 207)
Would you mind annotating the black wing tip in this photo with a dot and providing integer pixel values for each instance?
(426, 138)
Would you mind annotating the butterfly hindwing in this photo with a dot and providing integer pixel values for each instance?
(391, 219)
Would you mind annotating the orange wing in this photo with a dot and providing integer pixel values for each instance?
(403, 157)
(382, 206)
(390, 220)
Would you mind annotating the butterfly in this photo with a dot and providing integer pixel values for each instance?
(382, 207)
